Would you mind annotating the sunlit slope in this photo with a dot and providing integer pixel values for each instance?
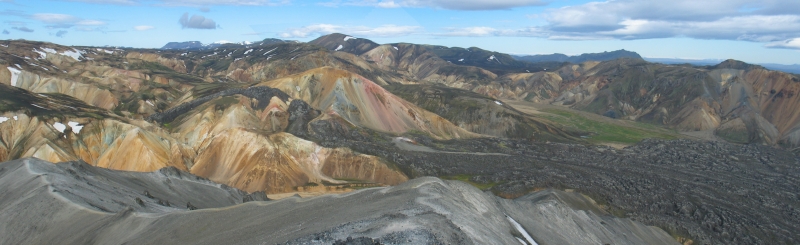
(364, 103)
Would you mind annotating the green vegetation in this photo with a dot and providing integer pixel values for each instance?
(606, 132)
(466, 178)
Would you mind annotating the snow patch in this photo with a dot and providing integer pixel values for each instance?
(33, 64)
(248, 51)
(14, 75)
(298, 88)
(76, 127)
(42, 55)
(348, 38)
(60, 127)
(72, 53)
(492, 57)
(270, 51)
(4, 46)
(49, 50)
(528, 71)
(498, 102)
(339, 48)
(3, 119)
(38, 106)
(461, 60)
(395, 48)
(150, 103)
(105, 51)
(16, 118)
(521, 231)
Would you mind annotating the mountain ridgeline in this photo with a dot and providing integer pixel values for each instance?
(565, 141)
(577, 59)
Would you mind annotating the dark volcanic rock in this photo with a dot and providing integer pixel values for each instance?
(711, 192)
(262, 94)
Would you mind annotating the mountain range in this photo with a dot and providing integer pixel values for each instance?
(577, 59)
(564, 150)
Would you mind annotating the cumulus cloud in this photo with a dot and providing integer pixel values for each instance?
(323, 29)
(196, 22)
(61, 33)
(443, 4)
(751, 20)
(22, 28)
(143, 28)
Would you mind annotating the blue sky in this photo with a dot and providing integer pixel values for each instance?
(756, 31)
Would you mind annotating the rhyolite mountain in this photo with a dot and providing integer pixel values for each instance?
(342, 113)
(620, 85)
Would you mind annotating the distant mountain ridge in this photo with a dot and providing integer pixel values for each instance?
(795, 68)
(197, 45)
(604, 56)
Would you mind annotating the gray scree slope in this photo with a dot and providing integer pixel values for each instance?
(74, 203)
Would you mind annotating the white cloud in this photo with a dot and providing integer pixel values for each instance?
(90, 23)
(443, 4)
(143, 28)
(476, 31)
(750, 20)
(55, 18)
(64, 21)
(482, 31)
(793, 43)
(323, 29)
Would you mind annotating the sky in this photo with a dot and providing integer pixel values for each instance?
(754, 31)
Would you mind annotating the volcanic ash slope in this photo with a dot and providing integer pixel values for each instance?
(74, 203)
